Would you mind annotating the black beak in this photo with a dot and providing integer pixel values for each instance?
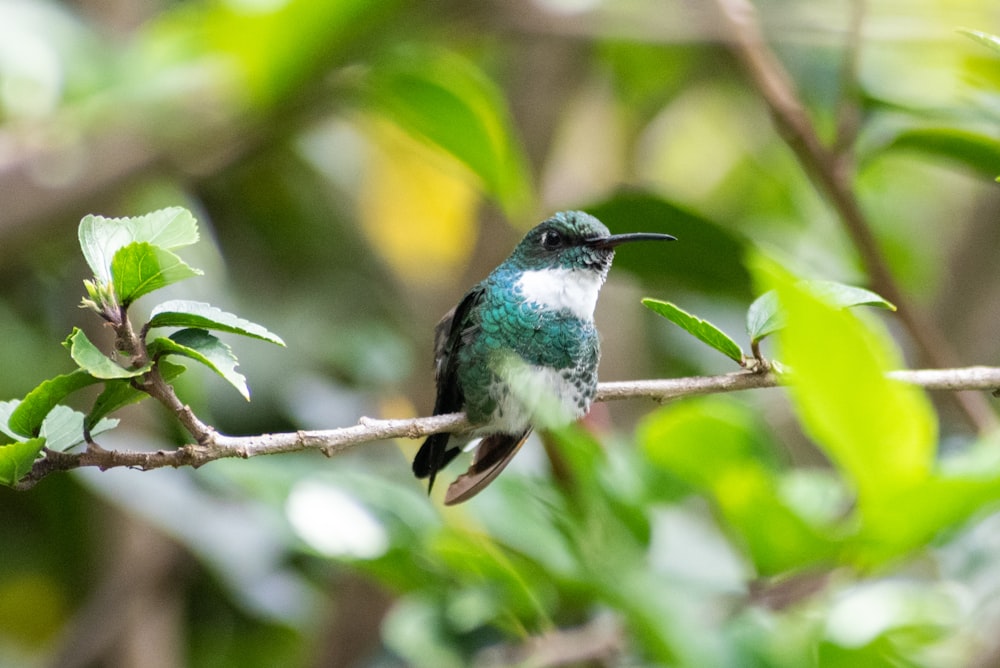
(617, 239)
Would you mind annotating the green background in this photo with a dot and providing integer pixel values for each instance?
(354, 167)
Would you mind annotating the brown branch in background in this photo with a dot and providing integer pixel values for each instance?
(135, 609)
(833, 176)
(334, 441)
(598, 642)
(849, 110)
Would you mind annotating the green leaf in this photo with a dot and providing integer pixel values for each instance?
(881, 433)
(16, 459)
(841, 295)
(201, 346)
(965, 484)
(6, 409)
(447, 100)
(184, 313)
(116, 394)
(715, 446)
(476, 559)
(985, 38)
(701, 329)
(63, 428)
(765, 315)
(101, 238)
(93, 361)
(140, 268)
(275, 51)
(119, 393)
(977, 151)
(918, 514)
(27, 418)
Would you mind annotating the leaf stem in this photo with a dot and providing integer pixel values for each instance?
(162, 391)
(125, 339)
(152, 382)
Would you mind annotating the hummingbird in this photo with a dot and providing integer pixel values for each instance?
(520, 349)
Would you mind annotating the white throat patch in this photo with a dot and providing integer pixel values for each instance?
(572, 289)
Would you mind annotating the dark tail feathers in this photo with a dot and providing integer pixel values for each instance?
(433, 456)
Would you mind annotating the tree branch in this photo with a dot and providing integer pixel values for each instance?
(849, 110)
(334, 441)
(832, 175)
(154, 385)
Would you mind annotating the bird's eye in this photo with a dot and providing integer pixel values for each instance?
(551, 240)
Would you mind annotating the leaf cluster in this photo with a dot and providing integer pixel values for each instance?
(880, 434)
(130, 258)
(764, 317)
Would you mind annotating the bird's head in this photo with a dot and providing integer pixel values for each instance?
(573, 240)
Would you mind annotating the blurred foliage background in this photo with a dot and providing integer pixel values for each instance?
(355, 166)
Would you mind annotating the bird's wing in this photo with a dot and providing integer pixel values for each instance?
(433, 454)
(494, 453)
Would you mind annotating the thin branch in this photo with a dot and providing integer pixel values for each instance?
(154, 385)
(674, 388)
(334, 441)
(220, 446)
(968, 378)
(849, 111)
(832, 177)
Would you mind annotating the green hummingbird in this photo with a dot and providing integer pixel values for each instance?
(521, 350)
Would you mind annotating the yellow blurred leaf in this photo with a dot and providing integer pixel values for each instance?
(417, 206)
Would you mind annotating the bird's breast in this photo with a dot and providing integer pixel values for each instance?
(540, 396)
